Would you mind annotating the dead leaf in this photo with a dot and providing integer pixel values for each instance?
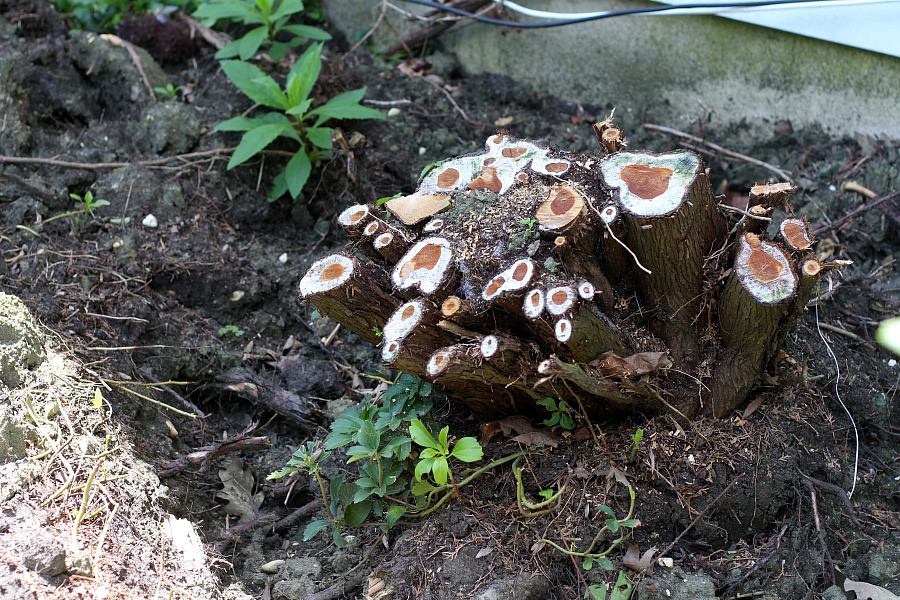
(515, 424)
(414, 67)
(619, 475)
(488, 432)
(581, 434)
(581, 472)
(238, 491)
(504, 121)
(484, 552)
(867, 591)
(752, 407)
(538, 437)
(612, 365)
(641, 564)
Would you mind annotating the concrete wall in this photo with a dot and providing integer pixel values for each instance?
(675, 69)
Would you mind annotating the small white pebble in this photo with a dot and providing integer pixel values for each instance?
(422, 150)
(831, 188)
(117, 244)
(237, 295)
(666, 562)
(150, 222)
(690, 459)
(892, 363)
(393, 112)
(271, 567)
(283, 258)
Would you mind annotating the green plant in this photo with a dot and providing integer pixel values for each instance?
(232, 329)
(169, 92)
(636, 438)
(435, 456)
(529, 225)
(267, 17)
(621, 590)
(560, 413)
(86, 206)
(294, 119)
(103, 16)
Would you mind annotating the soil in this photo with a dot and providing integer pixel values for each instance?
(167, 335)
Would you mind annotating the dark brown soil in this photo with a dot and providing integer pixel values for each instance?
(750, 504)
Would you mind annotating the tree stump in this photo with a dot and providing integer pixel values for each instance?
(614, 281)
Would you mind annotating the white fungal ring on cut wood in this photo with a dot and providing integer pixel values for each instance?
(586, 290)
(534, 303)
(650, 185)
(383, 241)
(406, 318)
(353, 215)
(326, 274)
(764, 270)
(425, 265)
(516, 277)
(560, 300)
(433, 225)
(563, 330)
(609, 213)
(371, 229)
(438, 363)
(489, 346)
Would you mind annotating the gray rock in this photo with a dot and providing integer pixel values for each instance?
(21, 342)
(884, 567)
(522, 587)
(289, 589)
(13, 436)
(170, 127)
(42, 552)
(667, 585)
(834, 593)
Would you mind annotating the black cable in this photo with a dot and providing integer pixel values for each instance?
(614, 13)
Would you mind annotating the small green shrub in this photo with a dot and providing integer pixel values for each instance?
(293, 117)
(560, 413)
(267, 18)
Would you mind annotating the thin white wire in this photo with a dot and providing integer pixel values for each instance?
(837, 392)
(543, 14)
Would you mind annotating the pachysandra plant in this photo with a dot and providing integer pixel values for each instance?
(635, 291)
(293, 119)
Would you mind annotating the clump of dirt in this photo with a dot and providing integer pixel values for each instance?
(176, 341)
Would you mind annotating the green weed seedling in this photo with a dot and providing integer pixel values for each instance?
(86, 206)
(621, 589)
(560, 413)
(267, 18)
(169, 92)
(293, 119)
(636, 438)
(529, 225)
(232, 329)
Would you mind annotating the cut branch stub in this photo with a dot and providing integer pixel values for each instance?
(764, 270)
(564, 204)
(391, 246)
(354, 219)
(349, 292)
(411, 334)
(513, 279)
(426, 266)
(534, 303)
(795, 233)
(672, 223)
(770, 195)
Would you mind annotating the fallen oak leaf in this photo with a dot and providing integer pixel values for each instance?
(636, 562)
(867, 591)
(538, 437)
(237, 489)
(515, 424)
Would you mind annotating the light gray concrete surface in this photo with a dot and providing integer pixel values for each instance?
(675, 70)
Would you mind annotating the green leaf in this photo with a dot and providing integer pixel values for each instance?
(596, 592)
(339, 541)
(253, 142)
(553, 420)
(231, 50)
(443, 437)
(604, 508)
(255, 84)
(622, 589)
(430, 453)
(305, 31)
(313, 528)
(296, 173)
(222, 10)
(422, 487)
(347, 106)
(441, 470)
(605, 563)
(287, 7)
(425, 388)
(300, 109)
(251, 42)
(356, 513)
(243, 123)
(423, 466)
(588, 564)
(613, 525)
(548, 403)
(278, 188)
(468, 450)
(420, 435)
(320, 137)
(631, 523)
(362, 494)
(566, 422)
(394, 513)
(303, 75)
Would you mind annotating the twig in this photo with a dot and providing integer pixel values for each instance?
(339, 589)
(212, 452)
(176, 395)
(65, 164)
(700, 515)
(826, 556)
(855, 213)
(837, 491)
(115, 40)
(718, 148)
(737, 583)
(852, 186)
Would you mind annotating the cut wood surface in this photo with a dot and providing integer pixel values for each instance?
(617, 284)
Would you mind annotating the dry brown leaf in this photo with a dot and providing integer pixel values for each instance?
(515, 424)
(619, 475)
(488, 432)
(612, 365)
(581, 472)
(484, 552)
(637, 562)
(539, 437)
(414, 67)
(867, 591)
(752, 407)
(238, 491)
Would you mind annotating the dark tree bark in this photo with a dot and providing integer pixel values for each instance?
(614, 281)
